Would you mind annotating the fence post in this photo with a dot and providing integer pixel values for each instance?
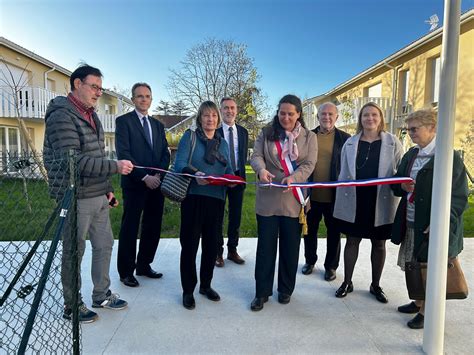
(73, 235)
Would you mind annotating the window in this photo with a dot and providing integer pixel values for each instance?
(435, 69)
(374, 90)
(12, 142)
(51, 85)
(404, 90)
(110, 146)
(109, 109)
(9, 146)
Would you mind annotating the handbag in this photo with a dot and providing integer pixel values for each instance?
(415, 277)
(174, 186)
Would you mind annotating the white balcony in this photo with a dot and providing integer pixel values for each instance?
(32, 102)
(349, 110)
(108, 122)
(29, 102)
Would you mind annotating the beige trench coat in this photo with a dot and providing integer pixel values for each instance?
(274, 201)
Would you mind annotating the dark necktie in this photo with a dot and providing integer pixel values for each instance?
(231, 148)
(146, 128)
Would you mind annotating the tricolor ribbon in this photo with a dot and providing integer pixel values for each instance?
(289, 167)
(229, 179)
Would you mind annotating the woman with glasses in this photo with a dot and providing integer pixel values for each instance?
(367, 212)
(412, 222)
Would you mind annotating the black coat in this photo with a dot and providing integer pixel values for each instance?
(423, 196)
(131, 144)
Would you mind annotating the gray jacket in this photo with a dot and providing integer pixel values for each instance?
(391, 152)
(66, 129)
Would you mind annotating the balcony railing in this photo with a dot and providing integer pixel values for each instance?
(28, 102)
(32, 102)
(108, 122)
(349, 110)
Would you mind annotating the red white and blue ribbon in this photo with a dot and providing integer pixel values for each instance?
(356, 183)
(288, 167)
(229, 179)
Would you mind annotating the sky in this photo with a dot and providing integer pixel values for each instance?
(303, 47)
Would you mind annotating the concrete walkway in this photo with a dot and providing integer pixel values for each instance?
(314, 322)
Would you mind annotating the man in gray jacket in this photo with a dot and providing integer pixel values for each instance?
(72, 124)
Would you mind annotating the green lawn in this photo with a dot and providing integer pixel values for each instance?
(171, 217)
(19, 222)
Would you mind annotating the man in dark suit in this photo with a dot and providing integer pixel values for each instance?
(330, 142)
(237, 138)
(142, 140)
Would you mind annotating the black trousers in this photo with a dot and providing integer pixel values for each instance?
(333, 253)
(147, 205)
(235, 196)
(288, 230)
(200, 216)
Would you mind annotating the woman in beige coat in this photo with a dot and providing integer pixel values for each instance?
(285, 152)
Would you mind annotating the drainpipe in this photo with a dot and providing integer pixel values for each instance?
(394, 92)
(46, 76)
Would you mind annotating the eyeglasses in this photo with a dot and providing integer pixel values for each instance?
(412, 129)
(94, 87)
(141, 97)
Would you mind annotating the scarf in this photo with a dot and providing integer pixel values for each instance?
(212, 147)
(289, 147)
(86, 112)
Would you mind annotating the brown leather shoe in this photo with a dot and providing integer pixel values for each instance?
(219, 261)
(235, 257)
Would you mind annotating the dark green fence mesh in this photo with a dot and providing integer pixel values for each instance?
(31, 225)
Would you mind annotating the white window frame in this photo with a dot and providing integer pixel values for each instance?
(405, 89)
(376, 87)
(7, 137)
(7, 145)
(435, 79)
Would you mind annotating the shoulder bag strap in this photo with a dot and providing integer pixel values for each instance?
(193, 145)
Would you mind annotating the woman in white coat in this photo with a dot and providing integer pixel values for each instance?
(367, 212)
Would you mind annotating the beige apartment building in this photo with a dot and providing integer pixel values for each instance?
(406, 81)
(27, 83)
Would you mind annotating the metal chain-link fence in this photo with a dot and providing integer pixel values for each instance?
(31, 226)
(468, 158)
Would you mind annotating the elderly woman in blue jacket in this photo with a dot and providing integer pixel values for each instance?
(412, 221)
(201, 208)
(367, 212)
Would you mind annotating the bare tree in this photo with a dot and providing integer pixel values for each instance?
(164, 107)
(347, 113)
(179, 108)
(216, 69)
(122, 91)
(13, 95)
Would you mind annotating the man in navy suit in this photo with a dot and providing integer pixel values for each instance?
(237, 138)
(142, 140)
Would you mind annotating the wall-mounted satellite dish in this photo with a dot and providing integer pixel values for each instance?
(433, 21)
